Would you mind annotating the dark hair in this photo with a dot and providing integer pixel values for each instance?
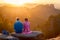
(26, 19)
(17, 19)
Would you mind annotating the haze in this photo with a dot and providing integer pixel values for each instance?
(55, 2)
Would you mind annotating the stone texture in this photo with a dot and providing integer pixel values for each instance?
(5, 37)
(35, 35)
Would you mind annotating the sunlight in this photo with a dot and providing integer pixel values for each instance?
(17, 2)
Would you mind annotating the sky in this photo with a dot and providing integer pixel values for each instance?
(41, 1)
(55, 2)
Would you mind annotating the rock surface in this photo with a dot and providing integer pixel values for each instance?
(35, 35)
(5, 37)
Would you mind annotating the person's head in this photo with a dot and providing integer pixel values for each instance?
(26, 19)
(17, 19)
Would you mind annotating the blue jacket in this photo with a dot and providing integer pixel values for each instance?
(18, 26)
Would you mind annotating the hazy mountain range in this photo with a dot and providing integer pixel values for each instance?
(35, 12)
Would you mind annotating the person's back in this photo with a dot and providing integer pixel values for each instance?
(18, 26)
(26, 26)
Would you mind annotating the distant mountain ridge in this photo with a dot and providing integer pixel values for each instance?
(37, 13)
(36, 10)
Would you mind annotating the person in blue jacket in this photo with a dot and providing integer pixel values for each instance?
(18, 26)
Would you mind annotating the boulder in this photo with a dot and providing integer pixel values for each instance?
(34, 35)
(6, 37)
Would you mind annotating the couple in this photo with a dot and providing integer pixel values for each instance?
(20, 27)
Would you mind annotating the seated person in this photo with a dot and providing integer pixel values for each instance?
(18, 26)
(26, 26)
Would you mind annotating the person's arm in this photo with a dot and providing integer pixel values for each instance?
(29, 24)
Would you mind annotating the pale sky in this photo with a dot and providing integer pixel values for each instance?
(41, 1)
(56, 2)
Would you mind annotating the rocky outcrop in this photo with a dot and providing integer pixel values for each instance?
(35, 35)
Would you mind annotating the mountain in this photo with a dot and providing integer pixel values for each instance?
(38, 15)
(41, 13)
